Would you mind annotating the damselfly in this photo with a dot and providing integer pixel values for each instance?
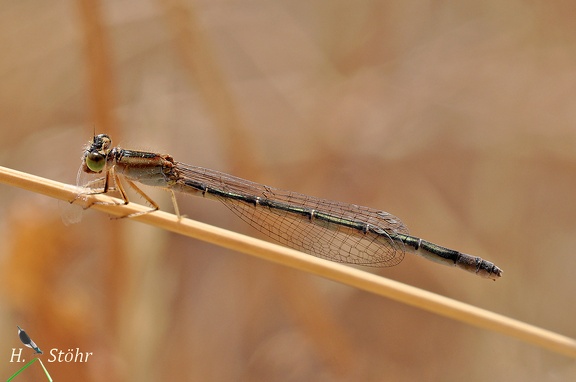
(26, 340)
(341, 232)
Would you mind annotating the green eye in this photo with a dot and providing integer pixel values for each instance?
(95, 161)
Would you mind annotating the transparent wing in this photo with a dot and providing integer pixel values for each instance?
(287, 220)
(72, 213)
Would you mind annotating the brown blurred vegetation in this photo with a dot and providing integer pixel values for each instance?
(458, 117)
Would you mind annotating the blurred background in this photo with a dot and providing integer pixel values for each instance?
(456, 116)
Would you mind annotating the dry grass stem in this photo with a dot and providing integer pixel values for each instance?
(337, 272)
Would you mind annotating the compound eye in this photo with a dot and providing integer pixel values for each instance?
(95, 161)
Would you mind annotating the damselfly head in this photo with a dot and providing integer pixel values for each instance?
(94, 160)
(101, 142)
